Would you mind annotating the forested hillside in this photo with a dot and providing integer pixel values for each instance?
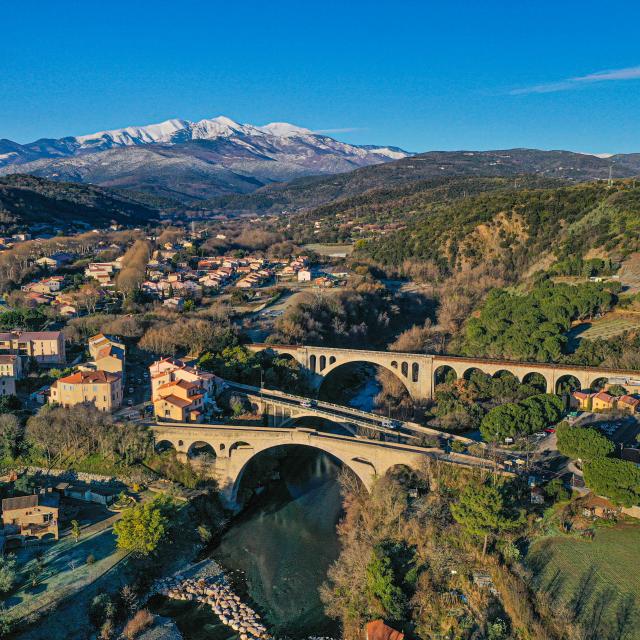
(27, 200)
(307, 193)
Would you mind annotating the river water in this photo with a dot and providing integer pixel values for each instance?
(277, 553)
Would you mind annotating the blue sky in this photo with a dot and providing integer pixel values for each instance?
(420, 75)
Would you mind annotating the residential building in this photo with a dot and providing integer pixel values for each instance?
(305, 275)
(11, 366)
(100, 388)
(628, 403)
(181, 392)
(34, 516)
(602, 401)
(179, 401)
(45, 347)
(108, 353)
(56, 260)
(581, 400)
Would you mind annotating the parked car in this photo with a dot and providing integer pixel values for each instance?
(308, 404)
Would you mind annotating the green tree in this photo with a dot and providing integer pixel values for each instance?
(482, 512)
(617, 390)
(386, 598)
(504, 421)
(75, 530)
(615, 479)
(582, 443)
(7, 573)
(143, 527)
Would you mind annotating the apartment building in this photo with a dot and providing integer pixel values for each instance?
(45, 347)
(100, 388)
(108, 353)
(34, 516)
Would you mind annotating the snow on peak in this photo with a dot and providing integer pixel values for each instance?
(161, 132)
(284, 130)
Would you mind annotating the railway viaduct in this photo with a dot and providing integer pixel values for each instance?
(234, 447)
(418, 371)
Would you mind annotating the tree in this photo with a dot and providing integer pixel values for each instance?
(502, 422)
(482, 512)
(615, 479)
(617, 390)
(7, 573)
(386, 598)
(555, 490)
(10, 435)
(75, 530)
(143, 527)
(582, 443)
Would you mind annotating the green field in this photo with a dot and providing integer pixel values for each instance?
(597, 580)
(607, 327)
(330, 249)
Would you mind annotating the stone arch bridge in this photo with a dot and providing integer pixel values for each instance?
(418, 371)
(235, 446)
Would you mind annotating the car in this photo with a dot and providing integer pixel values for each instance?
(130, 402)
(309, 404)
(550, 430)
(131, 389)
(540, 434)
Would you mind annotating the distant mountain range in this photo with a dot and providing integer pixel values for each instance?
(407, 174)
(187, 160)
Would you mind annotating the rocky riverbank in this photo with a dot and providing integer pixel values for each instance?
(215, 593)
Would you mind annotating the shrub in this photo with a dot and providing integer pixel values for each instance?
(141, 620)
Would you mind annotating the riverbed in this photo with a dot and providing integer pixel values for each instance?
(276, 554)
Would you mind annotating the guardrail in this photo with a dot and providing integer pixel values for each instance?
(373, 417)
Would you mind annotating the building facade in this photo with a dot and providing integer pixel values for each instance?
(45, 347)
(100, 388)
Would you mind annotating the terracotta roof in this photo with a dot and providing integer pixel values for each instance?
(30, 335)
(581, 394)
(378, 630)
(90, 377)
(605, 397)
(178, 402)
(7, 359)
(630, 400)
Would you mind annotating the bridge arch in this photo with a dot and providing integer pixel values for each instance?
(505, 373)
(567, 383)
(163, 446)
(598, 384)
(201, 448)
(444, 374)
(405, 382)
(469, 371)
(537, 380)
(363, 468)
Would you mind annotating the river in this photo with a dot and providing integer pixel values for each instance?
(277, 553)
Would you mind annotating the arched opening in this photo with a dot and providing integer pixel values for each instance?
(332, 360)
(404, 368)
(239, 445)
(407, 477)
(504, 373)
(394, 364)
(320, 423)
(366, 386)
(474, 371)
(164, 445)
(536, 380)
(323, 363)
(202, 452)
(290, 467)
(599, 384)
(444, 374)
(415, 372)
(567, 384)
(312, 363)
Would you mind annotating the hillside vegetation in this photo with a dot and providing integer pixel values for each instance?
(27, 200)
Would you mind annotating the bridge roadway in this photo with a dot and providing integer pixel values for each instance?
(418, 371)
(283, 409)
(235, 446)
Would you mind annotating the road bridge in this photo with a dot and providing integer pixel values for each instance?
(234, 447)
(282, 409)
(418, 372)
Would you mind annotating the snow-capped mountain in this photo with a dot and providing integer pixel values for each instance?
(186, 160)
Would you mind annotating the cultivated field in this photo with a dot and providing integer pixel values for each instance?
(336, 250)
(597, 580)
(610, 325)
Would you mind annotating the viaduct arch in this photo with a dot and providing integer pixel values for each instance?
(418, 371)
(236, 446)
